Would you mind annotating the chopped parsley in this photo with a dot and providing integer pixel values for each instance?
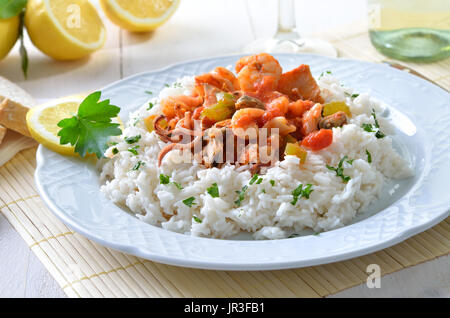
(316, 233)
(323, 73)
(176, 184)
(115, 151)
(369, 127)
(340, 170)
(189, 201)
(350, 161)
(241, 195)
(166, 85)
(196, 219)
(132, 140)
(150, 106)
(134, 149)
(112, 143)
(369, 156)
(354, 95)
(149, 92)
(259, 181)
(253, 179)
(213, 190)
(90, 129)
(138, 165)
(263, 190)
(301, 192)
(272, 182)
(164, 179)
(293, 235)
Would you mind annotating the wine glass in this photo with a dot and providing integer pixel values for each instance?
(287, 39)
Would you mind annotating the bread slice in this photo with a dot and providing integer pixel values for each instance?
(14, 105)
(2, 133)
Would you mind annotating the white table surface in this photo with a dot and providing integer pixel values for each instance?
(198, 29)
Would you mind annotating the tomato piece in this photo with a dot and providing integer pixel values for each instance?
(318, 140)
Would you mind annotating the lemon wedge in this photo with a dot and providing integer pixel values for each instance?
(139, 15)
(42, 122)
(64, 29)
(9, 31)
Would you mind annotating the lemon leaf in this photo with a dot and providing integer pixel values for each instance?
(89, 131)
(11, 8)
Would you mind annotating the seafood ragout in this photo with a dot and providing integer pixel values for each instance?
(289, 106)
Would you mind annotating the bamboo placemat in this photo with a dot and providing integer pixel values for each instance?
(85, 269)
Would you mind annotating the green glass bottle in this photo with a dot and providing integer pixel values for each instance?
(411, 30)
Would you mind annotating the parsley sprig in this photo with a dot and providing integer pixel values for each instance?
(90, 129)
(340, 170)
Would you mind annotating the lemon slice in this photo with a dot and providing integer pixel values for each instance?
(42, 122)
(139, 15)
(9, 31)
(64, 29)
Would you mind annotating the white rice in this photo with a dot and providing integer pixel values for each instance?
(266, 211)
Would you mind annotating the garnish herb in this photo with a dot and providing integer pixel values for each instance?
(354, 95)
(196, 219)
(241, 195)
(316, 234)
(323, 73)
(164, 179)
(369, 156)
(293, 235)
(134, 149)
(259, 181)
(189, 201)
(112, 143)
(272, 182)
(166, 85)
(149, 92)
(300, 192)
(253, 179)
(90, 129)
(177, 185)
(132, 140)
(115, 151)
(213, 190)
(369, 127)
(263, 190)
(340, 170)
(150, 106)
(350, 161)
(138, 165)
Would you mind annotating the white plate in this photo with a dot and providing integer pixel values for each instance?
(421, 112)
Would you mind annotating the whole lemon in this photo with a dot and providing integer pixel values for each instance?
(64, 29)
(9, 31)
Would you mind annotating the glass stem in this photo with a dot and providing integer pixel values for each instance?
(286, 21)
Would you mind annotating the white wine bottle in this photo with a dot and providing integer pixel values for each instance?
(411, 30)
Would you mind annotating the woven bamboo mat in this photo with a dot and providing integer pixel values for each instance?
(85, 269)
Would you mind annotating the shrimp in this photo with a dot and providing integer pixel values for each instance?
(246, 121)
(300, 84)
(277, 107)
(258, 73)
(310, 119)
(176, 106)
(299, 107)
(221, 78)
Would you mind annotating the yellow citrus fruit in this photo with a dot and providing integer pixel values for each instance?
(139, 15)
(9, 31)
(42, 122)
(64, 29)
